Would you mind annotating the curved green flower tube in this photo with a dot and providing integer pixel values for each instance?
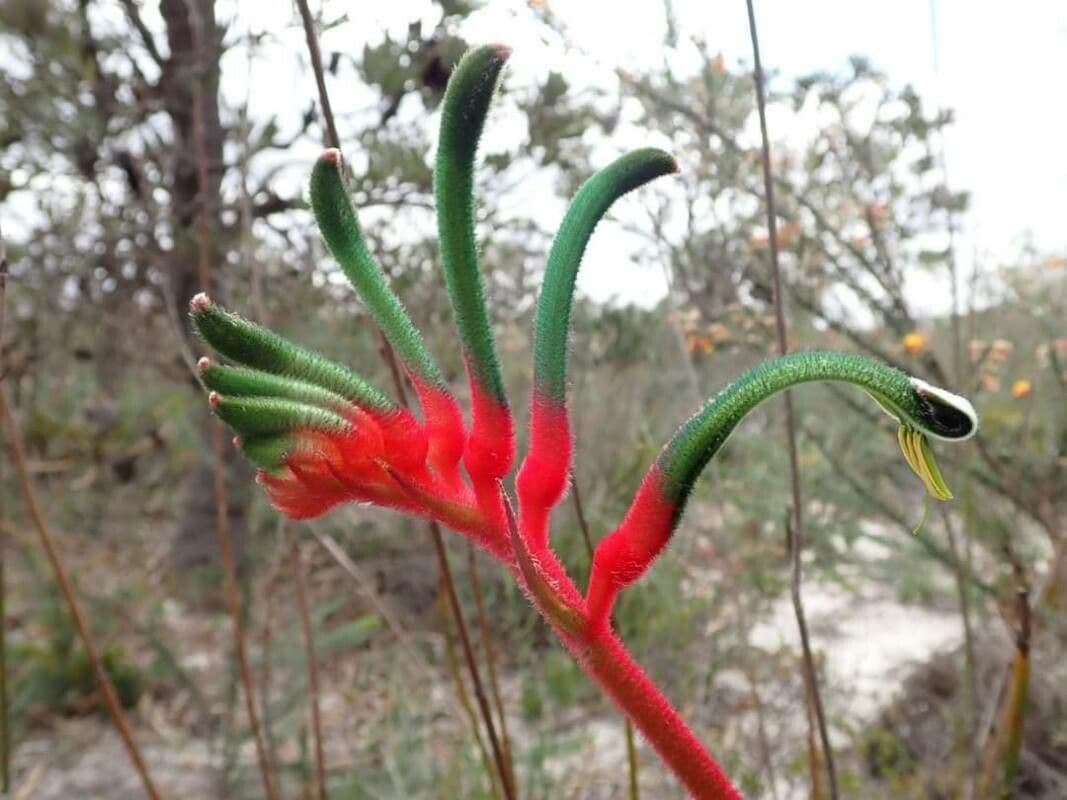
(463, 113)
(245, 382)
(588, 208)
(339, 225)
(263, 350)
(921, 410)
(546, 468)
(912, 402)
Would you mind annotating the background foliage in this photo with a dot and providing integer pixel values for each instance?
(97, 181)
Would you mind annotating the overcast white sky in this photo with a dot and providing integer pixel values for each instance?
(1002, 67)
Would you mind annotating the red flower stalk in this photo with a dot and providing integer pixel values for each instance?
(321, 435)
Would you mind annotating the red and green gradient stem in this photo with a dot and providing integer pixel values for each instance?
(490, 449)
(626, 553)
(339, 224)
(602, 655)
(545, 471)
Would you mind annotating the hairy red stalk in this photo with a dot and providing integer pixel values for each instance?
(545, 471)
(444, 430)
(625, 554)
(603, 656)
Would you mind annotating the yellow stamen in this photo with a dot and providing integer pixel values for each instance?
(917, 452)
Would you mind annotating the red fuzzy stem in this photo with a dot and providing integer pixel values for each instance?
(489, 455)
(625, 554)
(604, 658)
(543, 477)
(445, 431)
(404, 439)
(609, 663)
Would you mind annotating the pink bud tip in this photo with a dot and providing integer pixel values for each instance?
(204, 364)
(200, 302)
(332, 156)
(238, 442)
(503, 51)
(213, 399)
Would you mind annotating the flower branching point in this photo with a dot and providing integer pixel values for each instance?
(321, 435)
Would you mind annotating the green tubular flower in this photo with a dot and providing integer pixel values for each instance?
(925, 409)
(256, 347)
(266, 452)
(546, 468)
(339, 224)
(270, 416)
(921, 410)
(557, 292)
(245, 382)
(463, 114)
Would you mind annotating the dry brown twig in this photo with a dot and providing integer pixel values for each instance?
(107, 689)
(312, 665)
(226, 554)
(501, 762)
(5, 711)
(795, 527)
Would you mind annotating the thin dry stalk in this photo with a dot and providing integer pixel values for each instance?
(485, 634)
(266, 672)
(366, 586)
(312, 666)
(462, 696)
(814, 767)
(1019, 686)
(107, 690)
(970, 660)
(5, 710)
(628, 730)
(468, 655)
(332, 140)
(796, 528)
(222, 528)
(1005, 744)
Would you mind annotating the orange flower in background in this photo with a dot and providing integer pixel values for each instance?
(1056, 263)
(787, 233)
(1000, 351)
(914, 343)
(718, 65)
(697, 343)
(878, 213)
(1021, 388)
(718, 332)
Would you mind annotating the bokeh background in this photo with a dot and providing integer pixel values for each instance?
(921, 186)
